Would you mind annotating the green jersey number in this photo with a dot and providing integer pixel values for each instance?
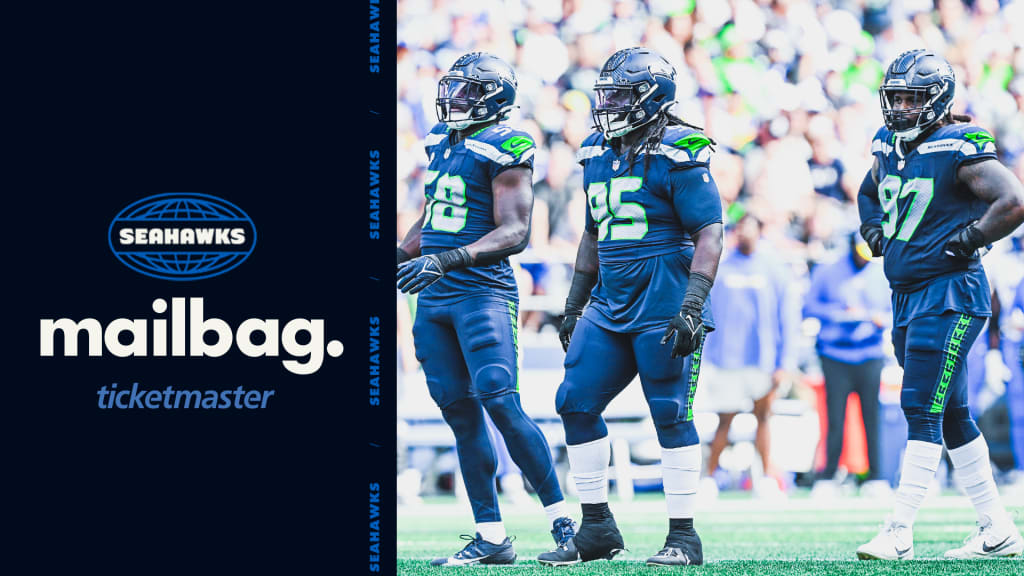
(446, 210)
(605, 201)
(890, 190)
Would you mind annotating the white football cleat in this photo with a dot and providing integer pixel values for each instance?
(894, 542)
(990, 541)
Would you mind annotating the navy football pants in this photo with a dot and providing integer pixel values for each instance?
(932, 351)
(600, 363)
(469, 353)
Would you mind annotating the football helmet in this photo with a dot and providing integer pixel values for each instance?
(635, 86)
(479, 87)
(923, 79)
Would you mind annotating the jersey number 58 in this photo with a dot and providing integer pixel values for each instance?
(446, 210)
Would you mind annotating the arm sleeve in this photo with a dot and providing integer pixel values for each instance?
(867, 202)
(695, 198)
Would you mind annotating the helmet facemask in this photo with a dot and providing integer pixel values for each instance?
(461, 102)
(908, 122)
(619, 108)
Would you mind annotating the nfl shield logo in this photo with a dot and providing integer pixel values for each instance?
(615, 164)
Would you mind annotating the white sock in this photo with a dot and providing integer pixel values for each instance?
(588, 463)
(920, 462)
(555, 511)
(493, 532)
(973, 472)
(680, 471)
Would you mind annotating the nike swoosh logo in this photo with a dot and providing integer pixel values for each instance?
(902, 552)
(989, 549)
(464, 561)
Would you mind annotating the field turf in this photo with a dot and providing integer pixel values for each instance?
(740, 535)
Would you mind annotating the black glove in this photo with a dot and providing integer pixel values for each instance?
(579, 294)
(965, 243)
(418, 273)
(402, 256)
(688, 329)
(874, 237)
(688, 326)
(566, 329)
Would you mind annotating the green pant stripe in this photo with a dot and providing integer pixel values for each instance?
(515, 337)
(950, 362)
(694, 375)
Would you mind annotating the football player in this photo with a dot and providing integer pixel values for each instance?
(934, 199)
(646, 263)
(479, 198)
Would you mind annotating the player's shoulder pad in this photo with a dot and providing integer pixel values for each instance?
(961, 139)
(502, 144)
(436, 135)
(685, 147)
(592, 146)
(883, 141)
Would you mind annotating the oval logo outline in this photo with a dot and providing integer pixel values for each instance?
(156, 264)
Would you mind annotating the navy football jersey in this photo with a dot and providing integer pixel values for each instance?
(460, 205)
(922, 206)
(643, 215)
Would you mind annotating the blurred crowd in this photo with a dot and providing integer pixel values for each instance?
(787, 89)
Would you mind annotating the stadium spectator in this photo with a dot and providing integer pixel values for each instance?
(753, 348)
(852, 301)
(827, 170)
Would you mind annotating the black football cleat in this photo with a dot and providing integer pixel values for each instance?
(598, 538)
(565, 553)
(681, 549)
(479, 551)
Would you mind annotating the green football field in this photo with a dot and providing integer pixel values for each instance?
(741, 536)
